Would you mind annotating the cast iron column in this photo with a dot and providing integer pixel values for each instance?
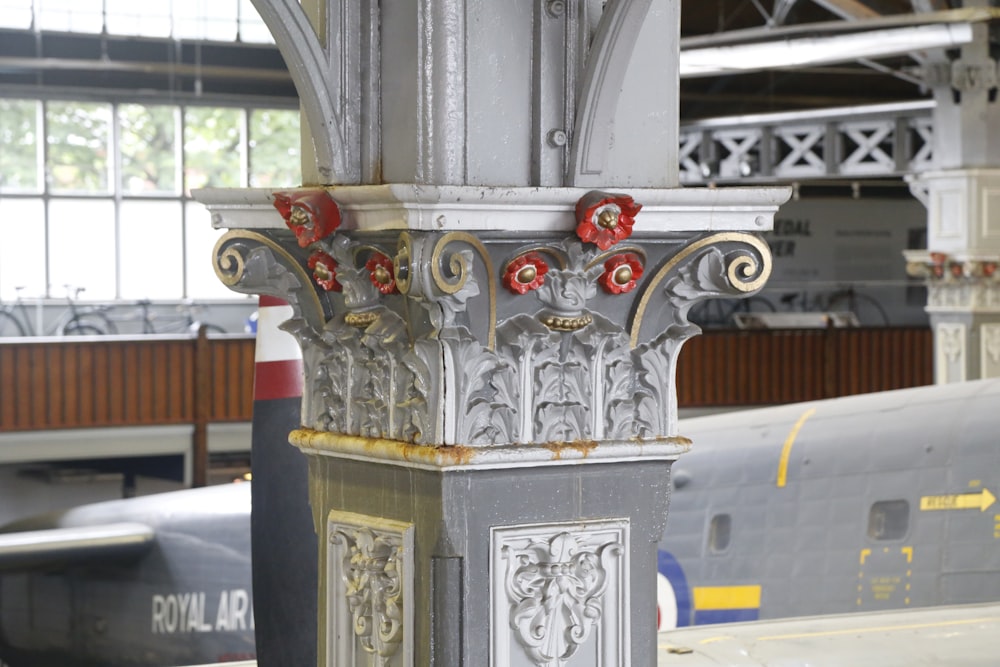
(490, 278)
(962, 196)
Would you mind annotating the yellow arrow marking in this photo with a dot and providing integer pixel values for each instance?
(909, 554)
(864, 554)
(981, 501)
(786, 451)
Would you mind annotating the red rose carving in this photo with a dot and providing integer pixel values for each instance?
(604, 219)
(324, 270)
(381, 273)
(312, 215)
(620, 273)
(525, 273)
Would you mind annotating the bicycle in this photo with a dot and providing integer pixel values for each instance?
(720, 313)
(155, 323)
(864, 309)
(76, 320)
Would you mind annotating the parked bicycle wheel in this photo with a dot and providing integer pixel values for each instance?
(10, 326)
(87, 325)
(711, 313)
(209, 328)
(866, 308)
(718, 313)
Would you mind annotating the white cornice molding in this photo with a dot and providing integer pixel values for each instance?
(493, 209)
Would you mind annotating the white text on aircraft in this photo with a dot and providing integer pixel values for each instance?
(185, 612)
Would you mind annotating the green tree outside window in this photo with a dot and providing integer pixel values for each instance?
(78, 139)
(275, 152)
(149, 149)
(213, 148)
(19, 158)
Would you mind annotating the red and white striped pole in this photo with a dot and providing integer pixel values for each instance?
(284, 579)
(277, 358)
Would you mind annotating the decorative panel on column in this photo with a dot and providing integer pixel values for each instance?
(369, 591)
(989, 356)
(950, 343)
(560, 590)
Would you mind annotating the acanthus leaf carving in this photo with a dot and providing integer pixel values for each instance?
(655, 363)
(385, 375)
(340, 377)
(472, 392)
(416, 403)
(621, 417)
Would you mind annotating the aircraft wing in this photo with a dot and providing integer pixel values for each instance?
(957, 636)
(61, 546)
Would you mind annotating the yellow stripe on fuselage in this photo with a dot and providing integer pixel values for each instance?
(786, 451)
(726, 597)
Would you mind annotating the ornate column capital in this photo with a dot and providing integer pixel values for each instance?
(959, 282)
(511, 324)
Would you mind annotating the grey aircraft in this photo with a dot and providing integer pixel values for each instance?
(867, 503)
(152, 581)
(864, 503)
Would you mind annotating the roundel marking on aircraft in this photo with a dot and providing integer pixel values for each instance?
(666, 604)
(673, 597)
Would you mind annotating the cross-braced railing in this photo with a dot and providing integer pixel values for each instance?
(849, 142)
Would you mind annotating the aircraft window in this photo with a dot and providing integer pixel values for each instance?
(718, 534)
(889, 520)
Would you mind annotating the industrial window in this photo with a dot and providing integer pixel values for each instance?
(718, 533)
(111, 181)
(888, 520)
(216, 20)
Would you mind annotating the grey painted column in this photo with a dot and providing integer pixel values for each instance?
(962, 197)
(490, 280)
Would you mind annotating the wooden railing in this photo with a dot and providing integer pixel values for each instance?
(103, 382)
(725, 368)
(116, 381)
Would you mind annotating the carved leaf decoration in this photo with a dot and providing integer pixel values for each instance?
(492, 416)
(619, 392)
(474, 396)
(415, 400)
(695, 280)
(704, 273)
(504, 387)
(358, 292)
(557, 422)
(337, 380)
(453, 305)
(372, 589)
(564, 383)
(647, 416)
(345, 368)
(489, 423)
(505, 400)
(384, 379)
(654, 374)
(569, 290)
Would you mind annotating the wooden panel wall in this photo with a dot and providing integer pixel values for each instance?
(77, 383)
(116, 381)
(723, 368)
